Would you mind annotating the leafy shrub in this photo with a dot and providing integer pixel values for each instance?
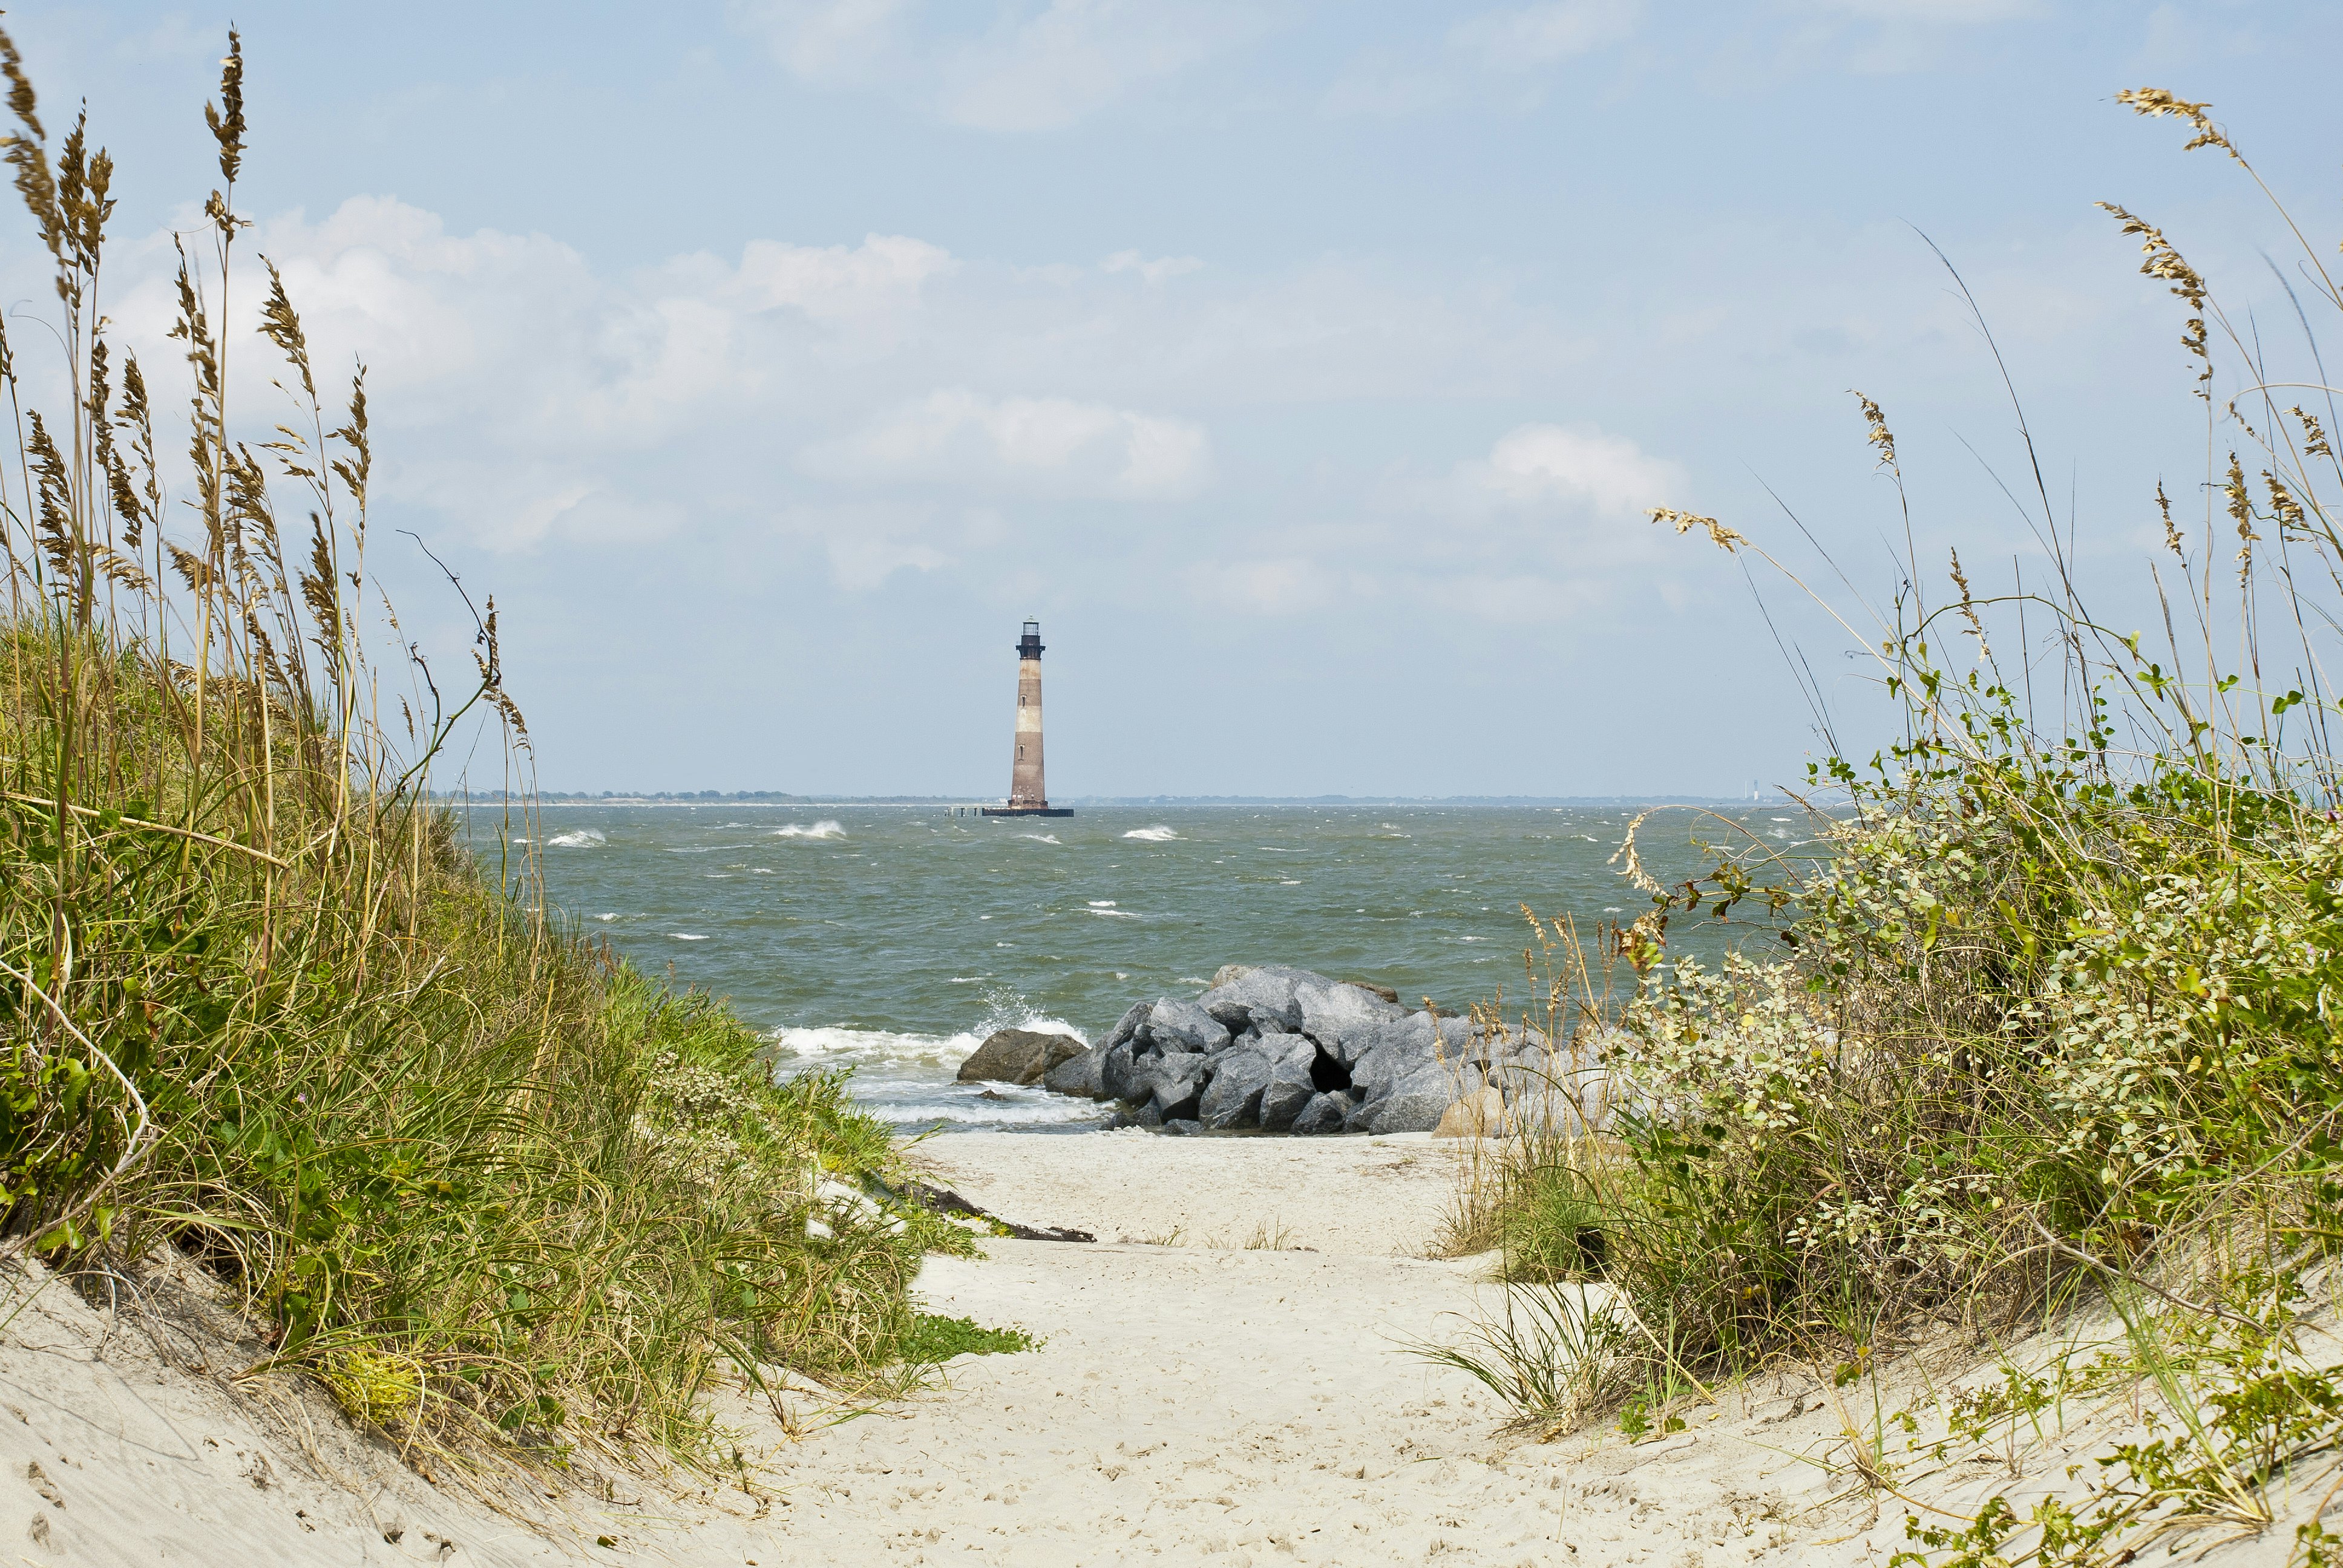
(2049, 1017)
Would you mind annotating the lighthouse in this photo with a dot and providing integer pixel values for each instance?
(1028, 795)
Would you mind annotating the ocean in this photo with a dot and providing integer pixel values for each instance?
(893, 939)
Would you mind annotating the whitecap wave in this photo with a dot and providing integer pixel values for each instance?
(825, 828)
(576, 838)
(844, 1043)
(608, 916)
(1117, 914)
(1156, 835)
(1039, 838)
(975, 1111)
(1101, 903)
(687, 936)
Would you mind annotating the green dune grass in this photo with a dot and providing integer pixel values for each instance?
(495, 1189)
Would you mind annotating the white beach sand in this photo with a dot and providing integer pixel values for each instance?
(1188, 1403)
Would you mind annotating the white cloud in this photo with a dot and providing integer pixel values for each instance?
(1548, 463)
(1540, 35)
(1154, 271)
(877, 281)
(1052, 446)
(862, 402)
(1041, 65)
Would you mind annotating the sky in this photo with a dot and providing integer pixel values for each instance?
(1306, 368)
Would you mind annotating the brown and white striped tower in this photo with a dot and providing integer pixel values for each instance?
(1028, 796)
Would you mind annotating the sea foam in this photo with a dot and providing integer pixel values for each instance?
(578, 839)
(1157, 835)
(825, 828)
(979, 1112)
(844, 1043)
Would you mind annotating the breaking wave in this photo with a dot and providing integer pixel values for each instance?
(1157, 835)
(576, 838)
(825, 828)
(844, 1044)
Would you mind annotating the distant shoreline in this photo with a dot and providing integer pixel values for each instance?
(1134, 802)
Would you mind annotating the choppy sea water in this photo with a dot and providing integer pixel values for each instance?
(892, 939)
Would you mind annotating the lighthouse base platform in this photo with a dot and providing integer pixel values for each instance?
(1027, 811)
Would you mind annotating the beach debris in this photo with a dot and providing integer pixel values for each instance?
(944, 1200)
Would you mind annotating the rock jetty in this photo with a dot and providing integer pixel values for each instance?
(1287, 1050)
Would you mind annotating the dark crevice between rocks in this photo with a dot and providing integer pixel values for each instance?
(1327, 1075)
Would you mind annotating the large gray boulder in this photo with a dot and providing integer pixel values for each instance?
(1178, 1079)
(1020, 1056)
(1127, 1026)
(1281, 1100)
(1402, 1046)
(1416, 1102)
(1185, 1026)
(1234, 1097)
(1232, 1015)
(1325, 1113)
(1265, 994)
(1337, 1015)
(1118, 1071)
(1289, 1087)
(1078, 1075)
(1147, 1070)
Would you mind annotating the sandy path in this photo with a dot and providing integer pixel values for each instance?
(1372, 1196)
(1195, 1405)
(1202, 1403)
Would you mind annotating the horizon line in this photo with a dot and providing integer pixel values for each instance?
(783, 797)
